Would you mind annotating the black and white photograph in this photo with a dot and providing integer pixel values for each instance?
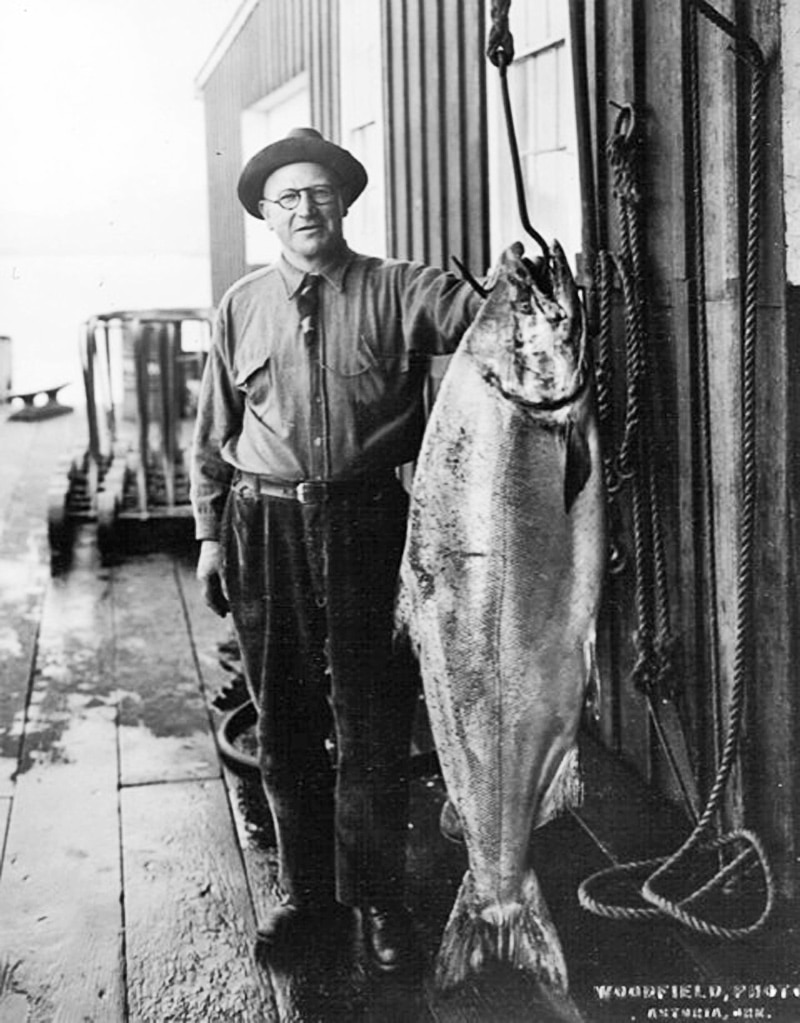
(399, 618)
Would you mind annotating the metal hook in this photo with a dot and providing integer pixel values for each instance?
(515, 160)
(465, 273)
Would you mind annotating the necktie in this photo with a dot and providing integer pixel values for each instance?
(308, 305)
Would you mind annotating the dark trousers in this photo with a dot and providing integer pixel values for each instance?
(312, 590)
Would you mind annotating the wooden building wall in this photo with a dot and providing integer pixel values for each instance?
(436, 131)
(435, 120)
(637, 52)
(279, 40)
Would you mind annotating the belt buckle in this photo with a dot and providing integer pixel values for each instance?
(311, 492)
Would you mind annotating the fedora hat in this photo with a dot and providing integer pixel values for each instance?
(301, 145)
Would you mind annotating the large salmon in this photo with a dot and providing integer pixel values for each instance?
(500, 585)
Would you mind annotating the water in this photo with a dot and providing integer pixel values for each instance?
(45, 299)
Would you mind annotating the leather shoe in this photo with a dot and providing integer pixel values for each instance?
(281, 923)
(389, 938)
(292, 918)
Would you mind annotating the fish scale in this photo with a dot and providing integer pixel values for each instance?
(500, 584)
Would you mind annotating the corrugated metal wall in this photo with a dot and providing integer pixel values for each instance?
(280, 39)
(436, 131)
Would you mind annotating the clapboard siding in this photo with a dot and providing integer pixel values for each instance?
(436, 131)
(279, 40)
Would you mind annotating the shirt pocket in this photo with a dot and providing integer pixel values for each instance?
(351, 361)
(364, 358)
(368, 376)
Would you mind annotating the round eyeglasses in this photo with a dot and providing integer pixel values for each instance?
(320, 195)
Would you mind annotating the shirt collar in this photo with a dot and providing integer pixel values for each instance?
(333, 272)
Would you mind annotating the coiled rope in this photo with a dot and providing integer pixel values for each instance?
(651, 873)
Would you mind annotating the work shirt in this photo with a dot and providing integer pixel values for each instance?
(346, 402)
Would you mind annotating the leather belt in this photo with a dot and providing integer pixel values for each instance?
(320, 491)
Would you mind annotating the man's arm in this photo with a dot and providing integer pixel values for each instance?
(438, 309)
(209, 576)
(219, 417)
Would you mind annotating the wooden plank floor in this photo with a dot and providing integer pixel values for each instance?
(135, 864)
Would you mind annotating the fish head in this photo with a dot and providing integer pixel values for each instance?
(530, 334)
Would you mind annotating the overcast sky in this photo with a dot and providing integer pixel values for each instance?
(102, 166)
(101, 130)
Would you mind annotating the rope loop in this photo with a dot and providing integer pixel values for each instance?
(643, 675)
(637, 880)
(665, 672)
(655, 669)
(500, 46)
(621, 152)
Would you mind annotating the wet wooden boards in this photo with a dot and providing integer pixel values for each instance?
(165, 731)
(189, 922)
(61, 933)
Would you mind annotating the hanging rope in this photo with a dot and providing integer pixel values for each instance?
(747, 846)
(622, 159)
(634, 463)
(617, 560)
(705, 498)
(634, 460)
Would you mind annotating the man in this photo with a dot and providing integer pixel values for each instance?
(312, 396)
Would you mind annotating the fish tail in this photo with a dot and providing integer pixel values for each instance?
(467, 940)
(518, 933)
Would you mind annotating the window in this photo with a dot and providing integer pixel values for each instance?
(540, 87)
(361, 94)
(270, 119)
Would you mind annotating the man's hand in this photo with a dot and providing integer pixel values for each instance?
(210, 578)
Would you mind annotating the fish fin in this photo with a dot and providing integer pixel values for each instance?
(519, 933)
(565, 791)
(594, 688)
(450, 823)
(577, 463)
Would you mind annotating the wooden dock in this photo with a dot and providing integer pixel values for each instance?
(135, 864)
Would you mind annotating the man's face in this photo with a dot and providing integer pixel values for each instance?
(311, 232)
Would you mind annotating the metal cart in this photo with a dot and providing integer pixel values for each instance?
(141, 374)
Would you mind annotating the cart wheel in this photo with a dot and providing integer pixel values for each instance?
(233, 724)
(59, 535)
(106, 523)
